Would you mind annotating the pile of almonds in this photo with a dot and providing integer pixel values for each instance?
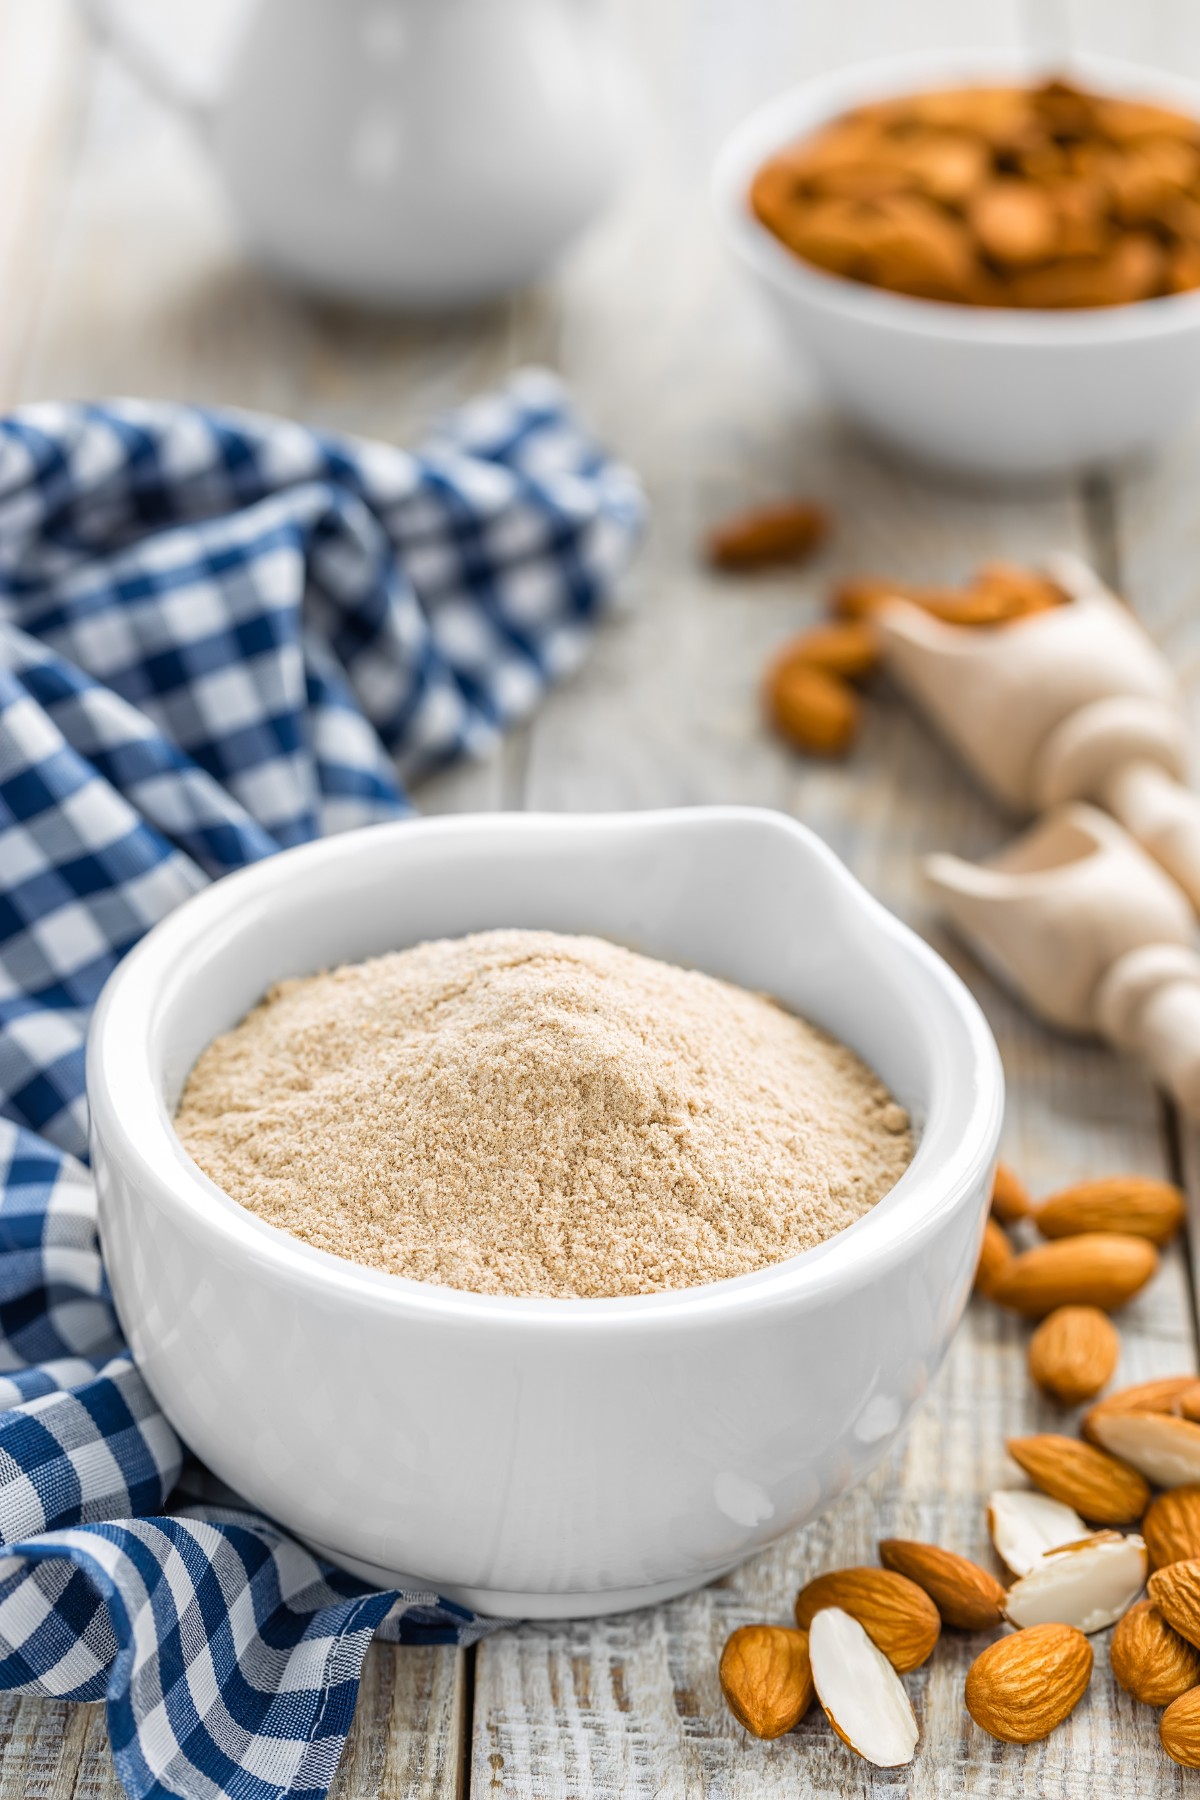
(1046, 196)
(1077, 1567)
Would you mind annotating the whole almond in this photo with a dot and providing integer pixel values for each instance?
(1133, 1204)
(896, 1614)
(766, 1678)
(996, 1257)
(1149, 1659)
(1179, 1729)
(1101, 1489)
(1073, 1353)
(1099, 1268)
(1178, 1395)
(814, 711)
(966, 1596)
(768, 534)
(846, 647)
(1171, 1527)
(1175, 1591)
(1022, 1686)
(1010, 1196)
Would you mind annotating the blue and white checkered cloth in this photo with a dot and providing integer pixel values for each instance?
(220, 635)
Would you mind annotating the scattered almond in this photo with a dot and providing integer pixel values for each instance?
(846, 647)
(1177, 1394)
(1164, 1448)
(768, 534)
(813, 710)
(1150, 1660)
(1103, 1490)
(1179, 1730)
(1010, 1197)
(897, 1615)
(1098, 1268)
(996, 1256)
(1133, 1204)
(1171, 1527)
(766, 1678)
(1022, 1686)
(1073, 1353)
(1088, 1584)
(863, 1697)
(1025, 1525)
(1175, 1591)
(966, 1596)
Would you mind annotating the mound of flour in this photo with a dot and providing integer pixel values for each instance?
(520, 1112)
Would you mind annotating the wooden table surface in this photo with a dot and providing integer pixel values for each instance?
(119, 274)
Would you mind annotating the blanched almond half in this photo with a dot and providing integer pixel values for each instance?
(1166, 1450)
(1088, 1585)
(1024, 1525)
(863, 1697)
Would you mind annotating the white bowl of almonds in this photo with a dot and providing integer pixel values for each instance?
(996, 270)
(485, 1295)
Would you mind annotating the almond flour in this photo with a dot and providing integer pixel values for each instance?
(519, 1112)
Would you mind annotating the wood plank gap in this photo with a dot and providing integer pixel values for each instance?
(1102, 525)
(466, 1736)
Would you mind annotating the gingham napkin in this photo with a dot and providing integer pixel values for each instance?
(219, 635)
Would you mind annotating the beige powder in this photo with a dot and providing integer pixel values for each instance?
(524, 1113)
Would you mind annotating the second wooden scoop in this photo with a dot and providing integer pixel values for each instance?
(1093, 936)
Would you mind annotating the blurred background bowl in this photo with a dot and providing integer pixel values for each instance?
(980, 390)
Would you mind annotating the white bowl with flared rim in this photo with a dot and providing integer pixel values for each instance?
(997, 392)
(535, 1457)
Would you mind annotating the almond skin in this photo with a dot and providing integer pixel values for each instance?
(966, 1596)
(1179, 1729)
(768, 534)
(766, 1678)
(846, 647)
(896, 1614)
(1171, 1527)
(1101, 1489)
(1010, 1196)
(814, 711)
(996, 1257)
(1022, 1686)
(1073, 1353)
(1174, 1394)
(1150, 1660)
(1175, 1591)
(1133, 1204)
(1098, 1268)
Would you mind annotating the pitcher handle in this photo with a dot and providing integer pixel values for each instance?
(156, 73)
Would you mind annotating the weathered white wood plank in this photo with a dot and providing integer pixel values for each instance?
(149, 294)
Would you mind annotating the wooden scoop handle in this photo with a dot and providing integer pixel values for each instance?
(1163, 816)
(1149, 1003)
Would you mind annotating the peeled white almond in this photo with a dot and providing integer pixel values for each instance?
(1164, 1449)
(1088, 1585)
(863, 1697)
(1025, 1524)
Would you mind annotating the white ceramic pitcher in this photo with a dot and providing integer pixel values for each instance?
(407, 152)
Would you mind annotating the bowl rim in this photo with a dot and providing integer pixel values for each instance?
(809, 103)
(155, 1158)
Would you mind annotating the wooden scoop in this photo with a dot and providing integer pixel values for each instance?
(1092, 935)
(1074, 703)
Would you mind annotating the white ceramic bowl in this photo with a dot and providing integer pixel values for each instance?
(988, 391)
(529, 1456)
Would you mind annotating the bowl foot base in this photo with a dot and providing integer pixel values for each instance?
(499, 1603)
